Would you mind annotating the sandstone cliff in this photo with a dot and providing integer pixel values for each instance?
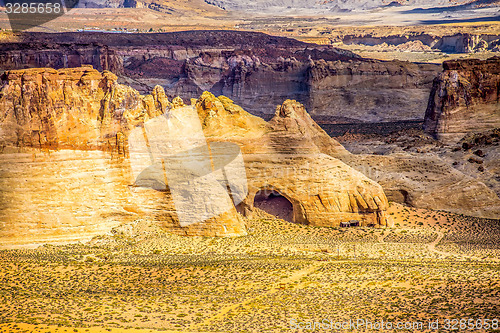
(75, 124)
(255, 70)
(465, 98)
(428, 182)
(293, 158)
(369, 91)
(77, 108)
(450, 43)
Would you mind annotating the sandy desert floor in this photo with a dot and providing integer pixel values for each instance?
(430, 265)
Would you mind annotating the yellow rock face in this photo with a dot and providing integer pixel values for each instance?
(293, 157)
(81, 109)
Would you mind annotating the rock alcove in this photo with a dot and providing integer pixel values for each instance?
(274, 203)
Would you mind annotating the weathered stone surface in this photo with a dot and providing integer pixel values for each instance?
(78, 108)
(291, 121)
(265, 7)
(81, 108)
(255, 70)
(369, 91)
(427, 182)
(465, 98)
(290, 159)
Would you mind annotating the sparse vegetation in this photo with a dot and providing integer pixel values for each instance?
(279, 271)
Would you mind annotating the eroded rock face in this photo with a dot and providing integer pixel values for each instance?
(76, 108)
(424, 41)
(369, 91)
(465, 98)
(293, 158)
(255, 70)
(81, 108)
(467, 43)
(427, 182)
(71, 110)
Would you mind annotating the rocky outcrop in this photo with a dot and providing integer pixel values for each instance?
(255, 70)
(289, 159)
(427, 182)
(77, 108)
(79, 121)
(465, 98)
(33, 54)
(83, 109)
(451, 43)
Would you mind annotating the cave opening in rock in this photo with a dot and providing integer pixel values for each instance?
(398, 195)
(274, 203)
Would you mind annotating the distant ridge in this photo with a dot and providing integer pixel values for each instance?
(274, 7)
(277, 7)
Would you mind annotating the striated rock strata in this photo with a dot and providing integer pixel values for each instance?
(255, 70)
(453, 43)
(369, 91)
(465, 98)
(78, 121)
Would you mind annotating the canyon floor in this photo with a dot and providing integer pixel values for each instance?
(430, 265)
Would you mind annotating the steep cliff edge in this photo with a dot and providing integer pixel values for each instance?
(66, 132)
(76, 108)
(451, 43)
(255, 70)
(369, 91)
(465, 98)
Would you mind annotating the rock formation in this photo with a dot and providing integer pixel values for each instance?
(450, 42)
(366, 91)
(465, 98)
(255, 70)
(427, 182)
(79, 118)
(265, 7)
(290, 160)
(77, 108)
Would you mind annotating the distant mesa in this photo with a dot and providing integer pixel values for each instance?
(283, 7)
(273, 7)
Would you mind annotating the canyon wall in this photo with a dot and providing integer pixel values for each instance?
(369, 91)
(257, 71)
(68, 173)
(465, 98)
